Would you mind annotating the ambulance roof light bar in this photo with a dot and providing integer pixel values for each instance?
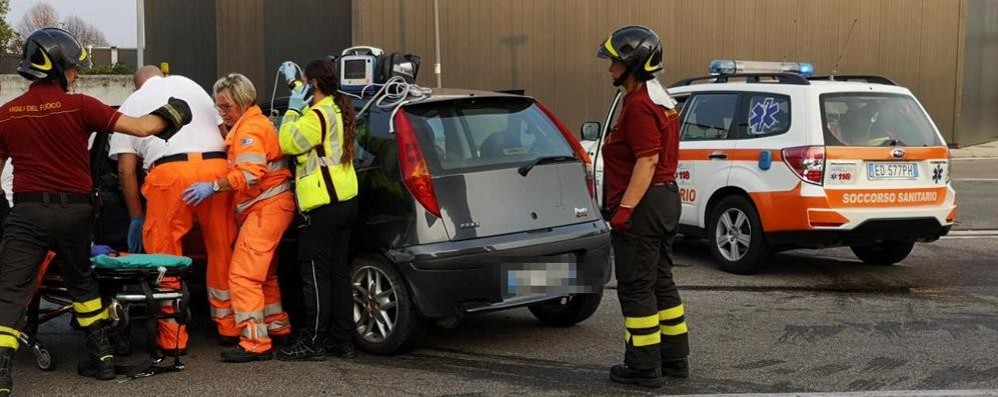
(728, 66)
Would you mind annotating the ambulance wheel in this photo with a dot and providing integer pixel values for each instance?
(884, 253)
(386, 318)
(568, 310)
(735, 234)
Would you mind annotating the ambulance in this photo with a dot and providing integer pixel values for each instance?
(773, 158)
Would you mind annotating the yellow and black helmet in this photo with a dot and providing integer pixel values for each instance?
(637, 47)
(49, 52)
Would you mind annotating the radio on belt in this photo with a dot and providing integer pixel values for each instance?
(358, 66)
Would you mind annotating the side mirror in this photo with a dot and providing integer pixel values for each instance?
(590, 131)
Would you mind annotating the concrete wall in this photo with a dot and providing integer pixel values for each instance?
(977, 115)
(111, 90)
(547, 46)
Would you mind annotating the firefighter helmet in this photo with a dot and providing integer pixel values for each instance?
(49, 52)
(637, 47)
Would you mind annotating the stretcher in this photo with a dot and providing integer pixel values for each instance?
(127, 282)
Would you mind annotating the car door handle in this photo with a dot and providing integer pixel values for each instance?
(717, 156)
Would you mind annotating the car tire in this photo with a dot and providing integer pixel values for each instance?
(386, 318)
(567, 311)
(885, 253)
(734, 221)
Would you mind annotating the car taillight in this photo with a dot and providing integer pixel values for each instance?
(808, 162)
(415, 173)
(580, 152)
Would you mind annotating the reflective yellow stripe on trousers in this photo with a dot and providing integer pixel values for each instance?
(8, 337)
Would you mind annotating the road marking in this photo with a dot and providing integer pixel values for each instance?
(881, 393)
(975, 233)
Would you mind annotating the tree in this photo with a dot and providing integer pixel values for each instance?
(84, 31)
(8, 37)
(42, 15)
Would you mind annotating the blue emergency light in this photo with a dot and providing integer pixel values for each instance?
(728, 66)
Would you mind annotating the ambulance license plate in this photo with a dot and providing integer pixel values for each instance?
(878, 171)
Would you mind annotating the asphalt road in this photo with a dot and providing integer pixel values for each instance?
(815, 321)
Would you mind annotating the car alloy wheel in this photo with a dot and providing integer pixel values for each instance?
(375, 304)
(733, 234)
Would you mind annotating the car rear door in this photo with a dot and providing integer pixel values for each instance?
(500, 165)
(705, 150)
(882, 152)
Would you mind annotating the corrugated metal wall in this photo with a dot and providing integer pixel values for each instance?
(978, 115)
(547, 46)
(182, 32)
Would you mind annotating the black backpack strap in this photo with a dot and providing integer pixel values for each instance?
(321, 150)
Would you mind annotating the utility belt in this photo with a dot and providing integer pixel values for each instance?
(173, 158)
(55, 198)
(671, 186)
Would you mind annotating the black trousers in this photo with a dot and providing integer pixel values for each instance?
(325, 270)
(653, 311)
(32, 229)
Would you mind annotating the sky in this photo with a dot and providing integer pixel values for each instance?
(116, 18)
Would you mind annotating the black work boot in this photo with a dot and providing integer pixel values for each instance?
(240, 355)
(6, 365)
(676, 367)
(621, 373)
(344, 349)
(100, 363)
(302, 350)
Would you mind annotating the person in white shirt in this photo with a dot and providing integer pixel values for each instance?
(196, 153)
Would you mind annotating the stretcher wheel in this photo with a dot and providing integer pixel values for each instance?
(43, 359)
(121, 344)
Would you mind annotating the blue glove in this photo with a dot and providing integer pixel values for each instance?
(198, 192)
(135, 234)
(100, 250)
(300, 97)
(289, 71)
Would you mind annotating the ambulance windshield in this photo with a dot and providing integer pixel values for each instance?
(872, 119)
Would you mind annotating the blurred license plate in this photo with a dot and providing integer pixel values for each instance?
(876, 171)
(540, 277)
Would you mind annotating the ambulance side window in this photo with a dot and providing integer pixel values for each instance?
(708, 117)
(765, 115)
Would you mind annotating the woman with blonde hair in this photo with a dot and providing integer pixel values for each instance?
(265, 206)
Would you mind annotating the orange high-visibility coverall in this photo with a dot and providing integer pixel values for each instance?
(168, 219)
(265, 206)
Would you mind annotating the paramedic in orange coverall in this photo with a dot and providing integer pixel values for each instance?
(264, 205)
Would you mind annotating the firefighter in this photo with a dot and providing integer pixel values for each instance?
(259, 177)
(320, 131)
(196, 154)
(640, 157)
(45, 132)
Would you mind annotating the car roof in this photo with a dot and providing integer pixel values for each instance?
(818, 86)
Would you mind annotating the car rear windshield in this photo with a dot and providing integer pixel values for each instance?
(484, 133)
(866, 119)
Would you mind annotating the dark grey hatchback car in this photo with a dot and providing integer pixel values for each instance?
(470, 202)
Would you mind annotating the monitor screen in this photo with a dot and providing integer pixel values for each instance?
(355, 69)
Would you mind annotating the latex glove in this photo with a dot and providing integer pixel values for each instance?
(176, 113)
(621, 220)
(100, 250)
(198, 192)
(135, 234)
(301, 95)
(288, 71)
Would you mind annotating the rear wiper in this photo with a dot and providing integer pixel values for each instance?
(543, 160)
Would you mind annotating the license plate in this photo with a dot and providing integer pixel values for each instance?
(875, 171)
(539, 277)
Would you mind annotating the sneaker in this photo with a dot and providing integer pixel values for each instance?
(651, 378)
(6, 363)
(676, 368)
(302, 350)
(341, 349)
(240, 355)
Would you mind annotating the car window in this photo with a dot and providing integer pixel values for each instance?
(872, 119)
(485, 133)
(768, 115)
(708, 117)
